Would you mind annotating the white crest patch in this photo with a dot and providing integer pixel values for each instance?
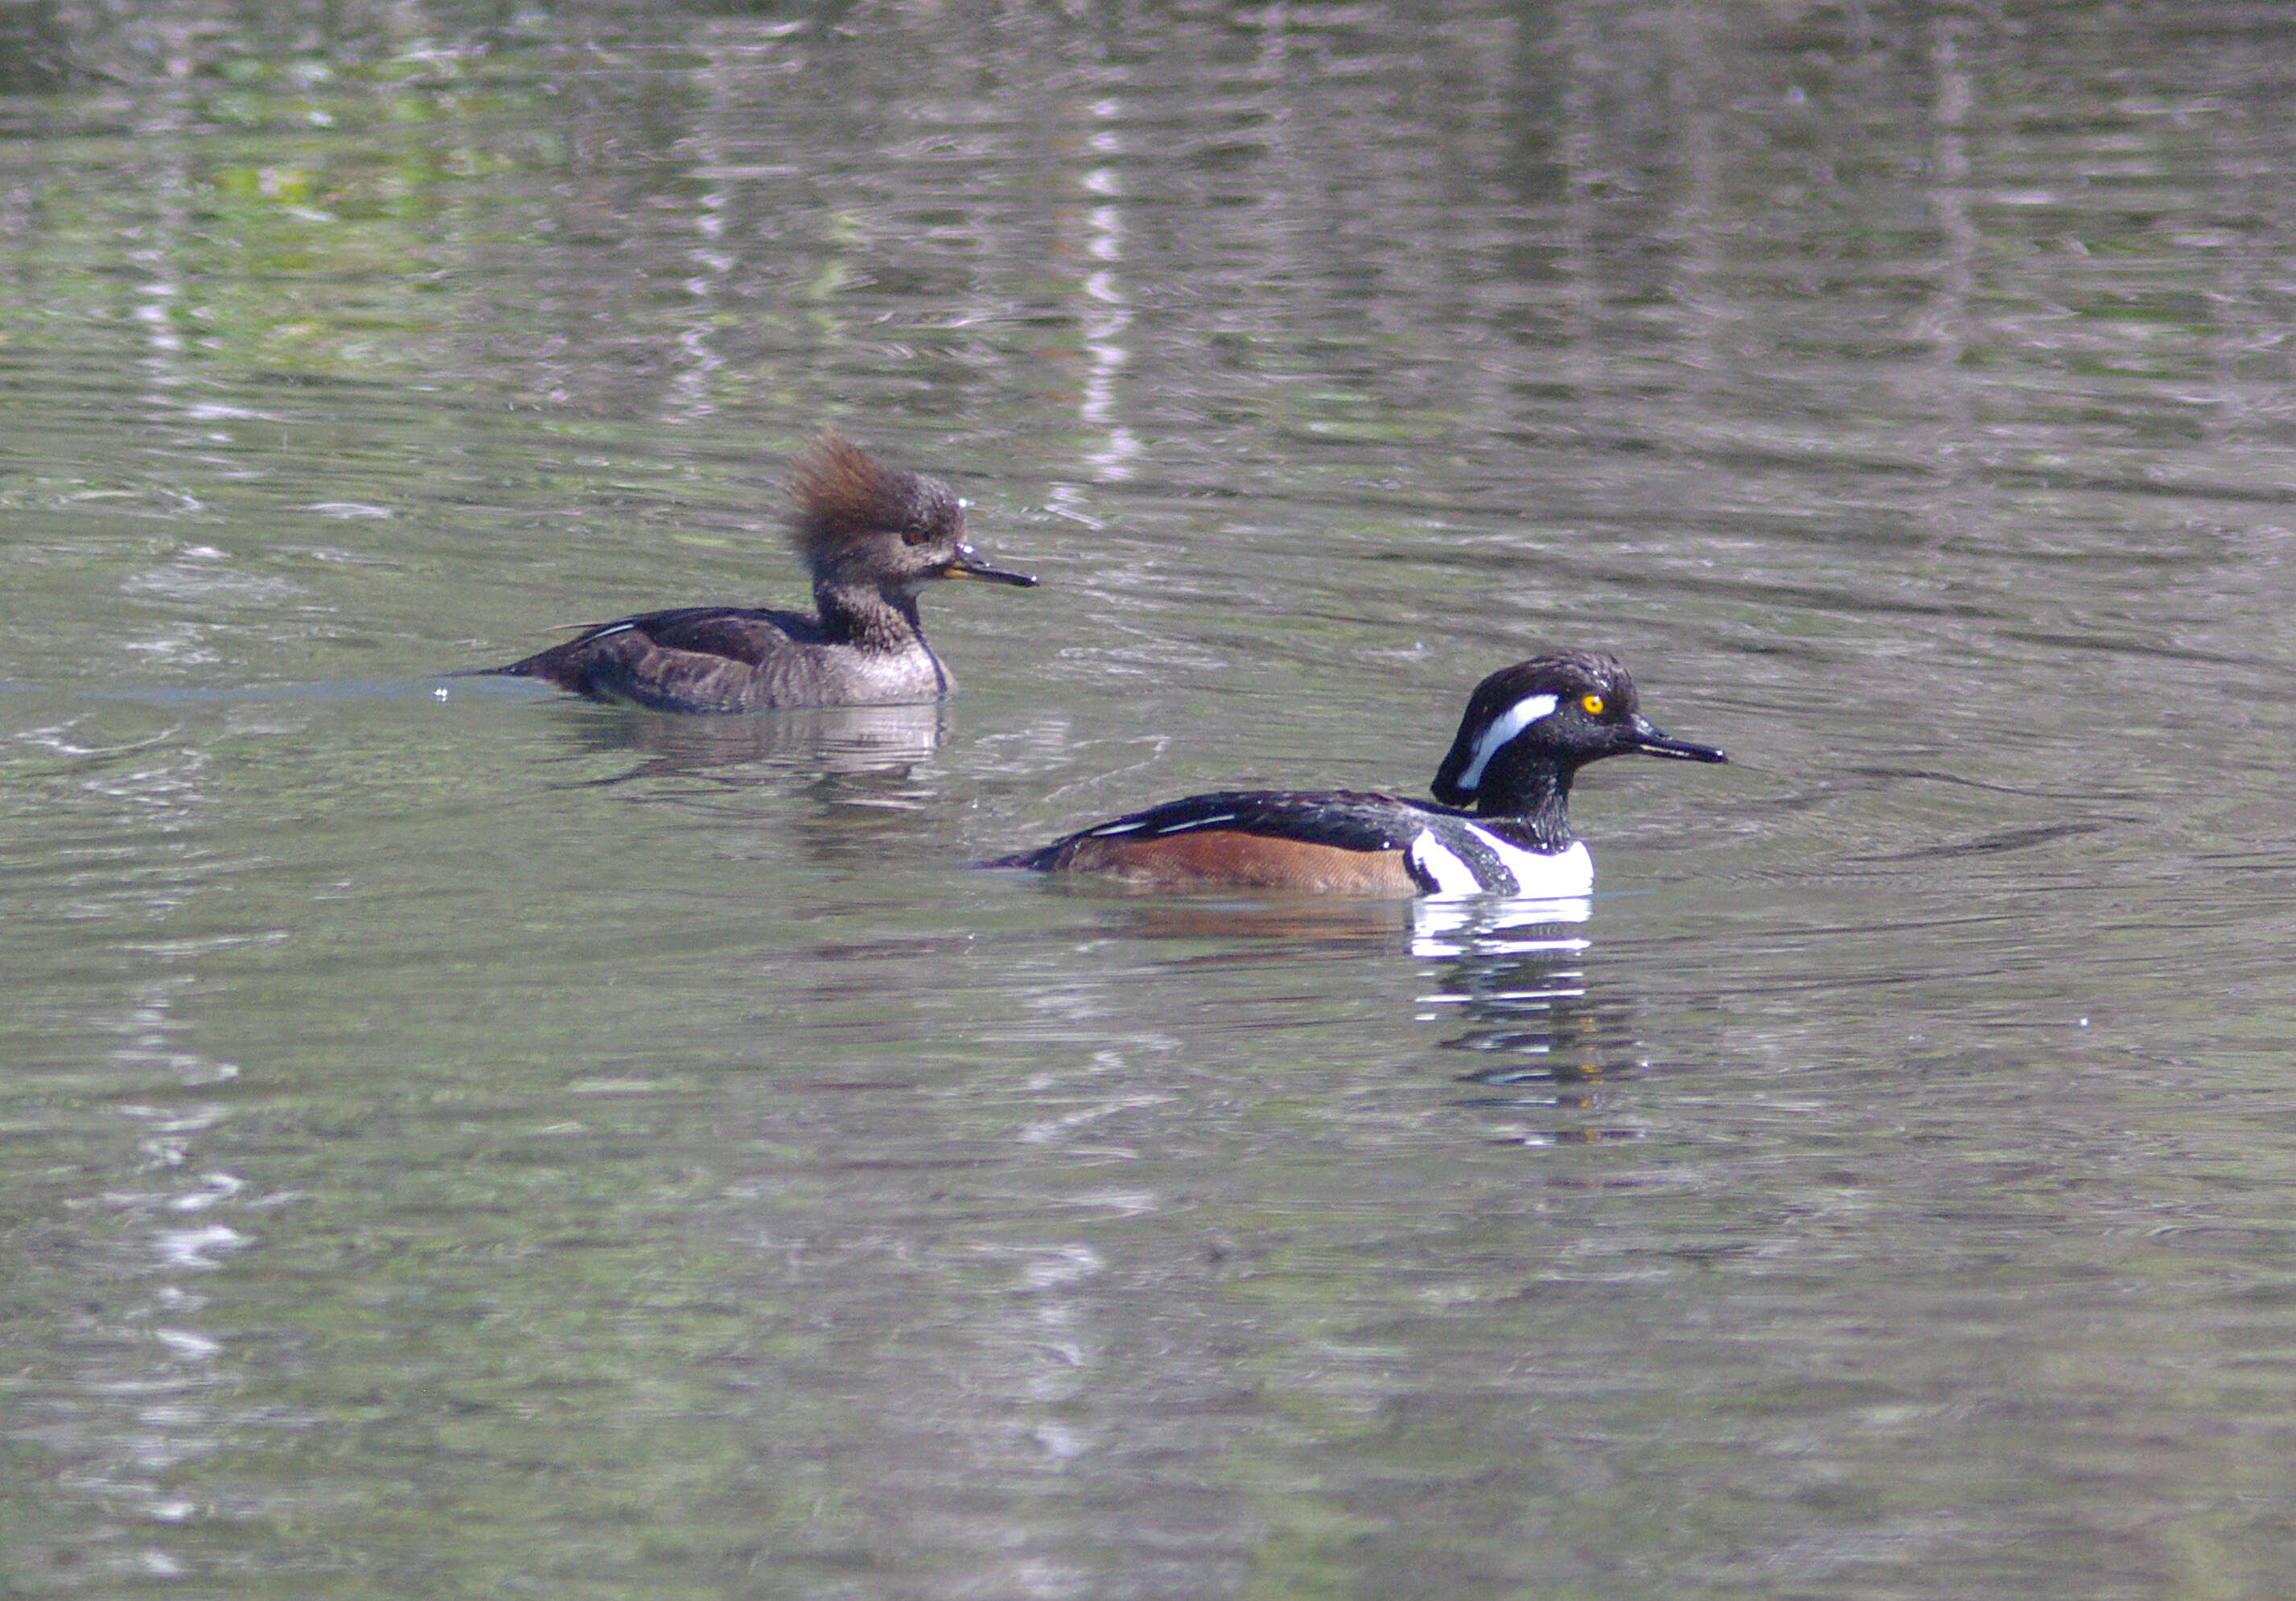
(1452, 876)
(1519, 716)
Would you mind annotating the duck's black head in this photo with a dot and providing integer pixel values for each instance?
(1529, 728)
(860, 524)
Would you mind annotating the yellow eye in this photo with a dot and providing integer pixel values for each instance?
(1592, 705)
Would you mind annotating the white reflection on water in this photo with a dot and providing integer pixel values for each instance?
(1104, 226)
(196, 1248)
(1488, 925)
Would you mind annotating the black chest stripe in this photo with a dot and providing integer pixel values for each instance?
(1471, 847)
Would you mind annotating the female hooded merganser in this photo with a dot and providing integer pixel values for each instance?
(872, 538)
(1528, 730)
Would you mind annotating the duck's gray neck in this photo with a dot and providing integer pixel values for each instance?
(863, 616)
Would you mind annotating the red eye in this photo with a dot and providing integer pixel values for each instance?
(916, 536)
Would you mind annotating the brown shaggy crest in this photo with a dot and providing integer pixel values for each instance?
(843, 493)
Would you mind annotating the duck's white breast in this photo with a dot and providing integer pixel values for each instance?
(1536, 876)
(1565, 873)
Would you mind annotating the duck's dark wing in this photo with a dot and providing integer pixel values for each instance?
(1344, 819)
(684, 652)
(743, 633)
(1289, 837)
(746, 634)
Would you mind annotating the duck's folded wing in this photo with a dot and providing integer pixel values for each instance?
(1342, 820)
(1336, 821)
(743, 633)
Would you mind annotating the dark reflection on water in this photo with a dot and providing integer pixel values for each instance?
(34, 51)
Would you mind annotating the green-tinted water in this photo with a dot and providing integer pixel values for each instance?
(460, 1141)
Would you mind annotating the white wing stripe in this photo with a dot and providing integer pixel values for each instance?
(1185, 824)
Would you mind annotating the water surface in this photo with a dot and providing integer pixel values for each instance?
(463, 1140)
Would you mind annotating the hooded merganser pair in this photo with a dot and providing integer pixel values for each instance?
(872, 538)
(1502, 827)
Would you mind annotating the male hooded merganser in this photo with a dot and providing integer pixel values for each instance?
(1528, 730)
(871, 536)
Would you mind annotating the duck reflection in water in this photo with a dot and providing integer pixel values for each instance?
(1513, 974)
(856, 767)
(862, 749)
(1517, 975)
